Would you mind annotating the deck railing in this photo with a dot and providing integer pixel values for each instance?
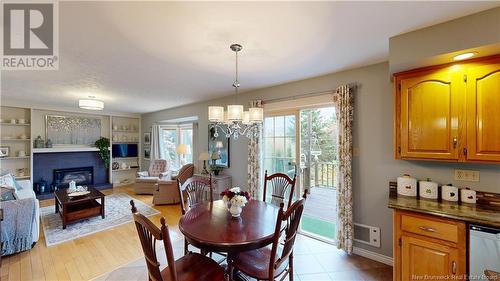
(324, 174)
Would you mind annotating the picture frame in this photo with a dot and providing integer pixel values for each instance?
(4, 151)
(147, 138)
(147, 153)
(219, 145)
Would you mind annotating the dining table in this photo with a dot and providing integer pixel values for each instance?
(211, 227)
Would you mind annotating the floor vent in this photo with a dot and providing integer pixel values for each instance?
(367, 234)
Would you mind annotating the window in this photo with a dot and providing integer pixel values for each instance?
(172, 136)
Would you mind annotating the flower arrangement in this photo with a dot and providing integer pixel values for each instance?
(235, 200)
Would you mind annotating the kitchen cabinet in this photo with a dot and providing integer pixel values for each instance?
(428, 248)
(483, 112)
(429, 113)
(449, 112)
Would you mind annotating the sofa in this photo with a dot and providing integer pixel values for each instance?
(167, 191)
(21, 219)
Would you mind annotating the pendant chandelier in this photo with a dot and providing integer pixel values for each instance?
(235, 121)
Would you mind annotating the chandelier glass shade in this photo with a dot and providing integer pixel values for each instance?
(235, 121)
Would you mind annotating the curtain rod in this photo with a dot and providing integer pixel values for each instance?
(310, 94)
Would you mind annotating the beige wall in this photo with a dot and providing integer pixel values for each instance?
(375, 165)
(437, 44)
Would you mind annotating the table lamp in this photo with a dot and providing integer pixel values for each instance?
(183, 149)
(204, 157)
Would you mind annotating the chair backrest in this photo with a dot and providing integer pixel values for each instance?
(291, 217)
(281, 184)
(185, 173)
(157, 167)
(148, 235)
(195, 190)
(492, 275)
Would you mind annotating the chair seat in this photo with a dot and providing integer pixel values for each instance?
(256, 263)
(147, 179)
(194, 266)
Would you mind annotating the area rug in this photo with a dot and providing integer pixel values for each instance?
(117, 209)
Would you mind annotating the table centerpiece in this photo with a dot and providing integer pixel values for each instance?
(235, 200)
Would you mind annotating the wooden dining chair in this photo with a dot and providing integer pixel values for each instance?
(268, 263)
(193, 191)
(192, 266)
(492, 275)
(281, 184)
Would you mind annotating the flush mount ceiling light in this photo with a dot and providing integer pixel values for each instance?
(464, 56)
(235, 121)
(91, 104)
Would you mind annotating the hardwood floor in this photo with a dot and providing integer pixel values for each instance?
(87, 257)
(111, 250)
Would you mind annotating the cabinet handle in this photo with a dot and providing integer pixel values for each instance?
(454, 267)
(455, 141)
(428, 229)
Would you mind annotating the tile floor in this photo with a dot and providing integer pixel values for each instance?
(314, 260)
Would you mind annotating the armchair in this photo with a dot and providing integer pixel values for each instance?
(166, 191)
(146, 180)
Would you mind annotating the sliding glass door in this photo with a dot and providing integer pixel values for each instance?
(303, 142)
(280, 144)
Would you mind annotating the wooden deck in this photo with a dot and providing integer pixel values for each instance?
(322, 204)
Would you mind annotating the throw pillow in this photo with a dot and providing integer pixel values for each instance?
(7, 194)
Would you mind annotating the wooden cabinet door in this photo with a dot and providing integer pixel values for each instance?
(483, 112)
(426, 260)
(430, 115)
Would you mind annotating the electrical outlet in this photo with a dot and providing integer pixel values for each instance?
(466, 175)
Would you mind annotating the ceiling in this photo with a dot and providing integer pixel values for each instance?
(143, 57)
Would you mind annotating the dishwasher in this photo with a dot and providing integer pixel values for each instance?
(484, 253)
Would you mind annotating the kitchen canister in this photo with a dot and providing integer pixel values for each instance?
(428, 189)
(407, 186)
(468, 195)
(449, 193)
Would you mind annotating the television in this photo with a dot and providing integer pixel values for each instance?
(125, 150)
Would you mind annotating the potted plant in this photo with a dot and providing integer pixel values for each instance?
(215, 169)
(103, 145)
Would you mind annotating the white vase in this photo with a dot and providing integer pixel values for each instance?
(235, 210)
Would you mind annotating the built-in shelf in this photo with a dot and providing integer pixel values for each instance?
(15, 157)
(64, 149)
(22, 177)
(125, 131)
(14, 124)
(120, 170)
(7, 140)
(124, 158)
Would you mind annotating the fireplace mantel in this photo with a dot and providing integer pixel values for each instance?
(65, 149)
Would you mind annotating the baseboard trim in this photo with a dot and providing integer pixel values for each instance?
(373, 256)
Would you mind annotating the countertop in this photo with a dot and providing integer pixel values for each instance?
(475, 214)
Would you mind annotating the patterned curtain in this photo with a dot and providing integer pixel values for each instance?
(254, 165)
(344, 107)
(155, 143)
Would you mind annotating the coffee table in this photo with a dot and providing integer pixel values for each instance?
(73, 209)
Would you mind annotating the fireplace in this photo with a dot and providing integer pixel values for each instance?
(81, 176)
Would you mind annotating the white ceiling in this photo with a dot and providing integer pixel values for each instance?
(143, 57)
